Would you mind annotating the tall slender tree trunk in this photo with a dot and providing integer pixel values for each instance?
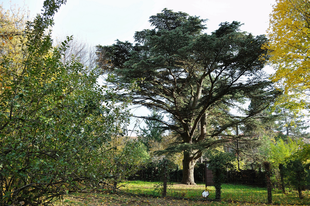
(188, 169)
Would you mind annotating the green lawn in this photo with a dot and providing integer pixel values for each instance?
(230, 193)
(146, 193)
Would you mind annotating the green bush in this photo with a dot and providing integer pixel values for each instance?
(297, 175)
(55, 120)
(218, 163)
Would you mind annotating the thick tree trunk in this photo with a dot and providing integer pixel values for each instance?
(188, 169)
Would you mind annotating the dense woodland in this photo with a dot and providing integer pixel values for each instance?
(62, 131)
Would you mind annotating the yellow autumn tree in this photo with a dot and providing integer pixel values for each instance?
(12, 24)
(289, 43)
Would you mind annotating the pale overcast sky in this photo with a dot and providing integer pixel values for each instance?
(104, 21)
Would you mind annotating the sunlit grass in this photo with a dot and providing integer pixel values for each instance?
(149, 193)
(230, 193)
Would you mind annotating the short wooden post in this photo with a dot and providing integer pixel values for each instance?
(206, 174)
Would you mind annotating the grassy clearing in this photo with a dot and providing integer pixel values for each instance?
(146, 193)
(230, 193)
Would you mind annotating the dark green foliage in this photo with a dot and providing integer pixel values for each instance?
(194, 78)
(297, 175)
(246, 177)
(218, 164)
(152, 172)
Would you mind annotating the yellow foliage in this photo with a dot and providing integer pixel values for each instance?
(12, 41)
(12, 23)
(289, 44)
